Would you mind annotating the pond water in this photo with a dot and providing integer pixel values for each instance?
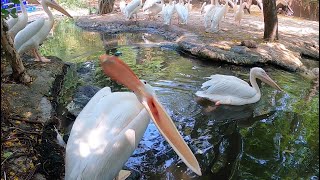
(275, 138)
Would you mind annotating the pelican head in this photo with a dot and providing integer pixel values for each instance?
(263, 76)
(55, 5)
(117, 70)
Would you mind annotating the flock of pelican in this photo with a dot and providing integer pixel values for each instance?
(111, 125)
(213, 13)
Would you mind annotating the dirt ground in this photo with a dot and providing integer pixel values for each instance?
(28, 149)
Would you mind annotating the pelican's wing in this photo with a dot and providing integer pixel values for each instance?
(218, 77)
(231, 88)
(149, 3)
(101, 142)
(28, 32)
(132, 6)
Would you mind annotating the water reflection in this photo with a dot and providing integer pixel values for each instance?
(277, 137)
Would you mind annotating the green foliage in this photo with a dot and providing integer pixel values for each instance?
(70, 84)
(74, 3)
(10, 10)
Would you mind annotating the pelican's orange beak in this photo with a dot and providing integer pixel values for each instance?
(269, 81)
(56, 6)
(117, 70)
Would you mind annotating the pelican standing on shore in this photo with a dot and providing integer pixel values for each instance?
(36, 32)
(231, 90)
(111, 125)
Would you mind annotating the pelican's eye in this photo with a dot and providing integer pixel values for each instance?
(144, 82)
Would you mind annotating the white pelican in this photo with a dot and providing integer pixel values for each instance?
(153, 9)
(227, 9)
(36, 32)
(239, 13)
(17, 24)
(167, 12)
(209, 11)
(122, 5)
(148, 3)
(110, 126)
(132, 8)
(231, 90)
(217, 16)
(182, 12)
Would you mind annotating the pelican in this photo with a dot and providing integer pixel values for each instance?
(122, 5)
(149, 3)
(36, 32)
(167, 12)
(239, 13)
(209, 11)
(132, 8)
(217, 16)
(227, 9)
(152, 9)
(182, 12)
(17, 24)
(231, 90)
(110, 126)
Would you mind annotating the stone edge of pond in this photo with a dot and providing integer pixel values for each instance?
(189, 43)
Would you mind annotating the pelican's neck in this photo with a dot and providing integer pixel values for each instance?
(216, 2)
(253, 81)
(240, 3)
(212, 2)
(49, 13)
(23, 8)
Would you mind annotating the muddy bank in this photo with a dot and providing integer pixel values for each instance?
(193, 39)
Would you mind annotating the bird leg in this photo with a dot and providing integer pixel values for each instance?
(38, 57)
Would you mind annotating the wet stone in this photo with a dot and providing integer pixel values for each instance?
(81, 98)
(249, 43)
(239, 49)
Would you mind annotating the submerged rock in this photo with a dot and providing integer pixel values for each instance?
(239, 49)
(81, 97)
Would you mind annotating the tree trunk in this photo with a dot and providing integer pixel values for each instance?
(270, 20)
(10, 54)
(105, 6)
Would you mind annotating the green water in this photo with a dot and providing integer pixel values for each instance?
(275, 138)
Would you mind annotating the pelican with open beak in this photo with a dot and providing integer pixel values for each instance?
(111, 125)
(36, 32)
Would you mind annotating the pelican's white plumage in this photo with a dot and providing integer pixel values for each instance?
(110, 126)
(153, 9)
(132, 8)
(122, 5)
(217, 16)
(104, 135)
(231, 90)
(37, 31)
(182, 11)
(149, 3)
(167, 12)
(239, 13)
(17, 24)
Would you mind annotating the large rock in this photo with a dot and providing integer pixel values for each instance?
(33, 101)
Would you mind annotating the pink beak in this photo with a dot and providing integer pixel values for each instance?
(117, 70)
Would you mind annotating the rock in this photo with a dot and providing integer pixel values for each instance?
(249, 43)
(81, 97)
(46, 109)
(39, 176)
(239, 49)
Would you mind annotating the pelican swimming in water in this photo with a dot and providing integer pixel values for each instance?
(36, 32)
(231, 90)
(17, 24)
(110, 126)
